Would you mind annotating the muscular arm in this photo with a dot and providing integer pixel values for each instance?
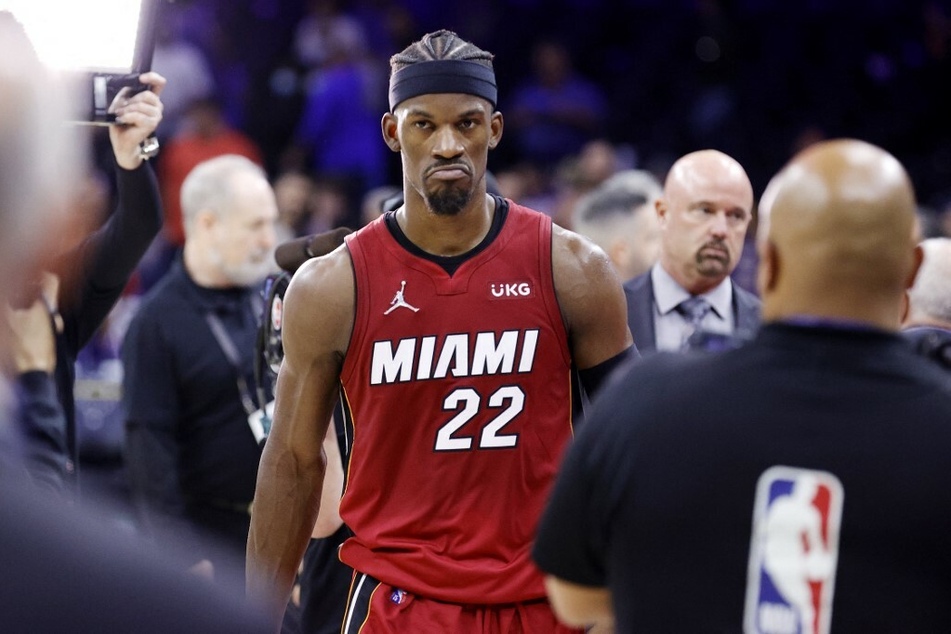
(318, 319)
(591, 299)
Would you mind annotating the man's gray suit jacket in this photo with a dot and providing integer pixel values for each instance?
(639, 293)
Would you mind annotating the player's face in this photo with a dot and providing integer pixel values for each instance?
(703, 224)
(444, 140)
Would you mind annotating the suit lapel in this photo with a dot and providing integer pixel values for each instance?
(639, 293)
(745, 312)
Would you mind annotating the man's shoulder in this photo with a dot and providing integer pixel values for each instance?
(668, 375)
(931, 342)
(656, 392)
(744, 297)
(326, 280)
(162, 303)
(166, 290)
(637, 284)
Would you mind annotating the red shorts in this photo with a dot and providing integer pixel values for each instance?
(374, 607)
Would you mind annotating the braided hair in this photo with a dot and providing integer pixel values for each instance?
(440, 45)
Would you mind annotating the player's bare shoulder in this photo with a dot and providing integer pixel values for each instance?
(580, 267)
(319, 303)
(590, 296)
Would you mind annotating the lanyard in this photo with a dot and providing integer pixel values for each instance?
(231, 351)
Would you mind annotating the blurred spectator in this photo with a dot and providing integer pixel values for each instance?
(927, 321)
(97, 258)
(28, 330)
(293, 192)
(339, 131)
(556, 110)
(192, 403)
(580, 173)
(330, 206)
(526, 182)
(738, 73)
(324, 21)
(688, 295)
(944, 218)
(67, 569)
(619, 217)
(185, 66)
(389, 24)
(373, 201)
(203, 134)
(98, 372)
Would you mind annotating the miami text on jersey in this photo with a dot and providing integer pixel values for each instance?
(458, 355)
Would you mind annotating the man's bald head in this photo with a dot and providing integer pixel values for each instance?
(838, 235)
(699, 168)
(704, 213)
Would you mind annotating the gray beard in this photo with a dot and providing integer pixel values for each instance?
(247, 273)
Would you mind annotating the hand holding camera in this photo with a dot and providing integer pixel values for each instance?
(137, 114)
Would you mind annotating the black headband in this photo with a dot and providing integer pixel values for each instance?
(442, 76)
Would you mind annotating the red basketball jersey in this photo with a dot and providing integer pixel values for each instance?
(458, 391)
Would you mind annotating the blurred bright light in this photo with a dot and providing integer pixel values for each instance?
(80, 34)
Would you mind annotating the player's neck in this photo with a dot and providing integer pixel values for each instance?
(446, 235)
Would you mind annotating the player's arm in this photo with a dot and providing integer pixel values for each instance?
(318, 317)
(592, 303)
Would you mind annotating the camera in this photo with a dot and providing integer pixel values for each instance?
(107, 90)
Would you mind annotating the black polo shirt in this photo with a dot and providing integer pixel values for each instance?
(656, 497)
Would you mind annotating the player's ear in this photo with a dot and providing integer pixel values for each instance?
(495, 127)
(390, 126)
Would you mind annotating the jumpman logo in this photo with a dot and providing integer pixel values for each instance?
(399, 301)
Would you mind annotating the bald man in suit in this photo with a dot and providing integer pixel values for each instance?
(687, 299)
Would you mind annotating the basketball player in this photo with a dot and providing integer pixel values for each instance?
(451, 327)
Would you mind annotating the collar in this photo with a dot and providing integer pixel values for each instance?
(668, 293)
(809, 321)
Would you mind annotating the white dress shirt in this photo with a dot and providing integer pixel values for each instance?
(670, 327)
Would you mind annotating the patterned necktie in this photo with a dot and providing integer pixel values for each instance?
(693, 309)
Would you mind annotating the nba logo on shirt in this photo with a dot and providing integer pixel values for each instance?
(794, 552)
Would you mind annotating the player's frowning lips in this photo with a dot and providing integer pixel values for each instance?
(448, 171)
